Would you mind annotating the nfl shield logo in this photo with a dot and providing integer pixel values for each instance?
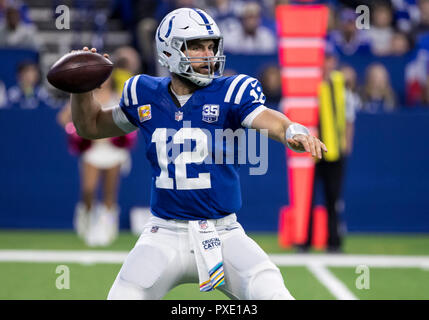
(203, 224)
(154, 229)
(178, 116)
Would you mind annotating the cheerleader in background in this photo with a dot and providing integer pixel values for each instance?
(97, 222)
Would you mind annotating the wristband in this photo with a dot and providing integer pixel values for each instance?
(294, 129)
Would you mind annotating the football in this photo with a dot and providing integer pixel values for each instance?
(80, 71)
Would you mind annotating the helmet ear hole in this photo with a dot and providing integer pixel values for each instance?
(168, 54)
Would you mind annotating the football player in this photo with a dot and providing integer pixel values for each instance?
(185, 109)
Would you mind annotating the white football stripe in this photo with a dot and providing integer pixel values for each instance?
(301, 72)
(232, 87)
(241, 90)
(126, 101)
(299, 102)
(134, 99)
(302, 42)
(300, 162)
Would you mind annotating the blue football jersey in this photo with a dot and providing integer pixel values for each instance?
(189, 180)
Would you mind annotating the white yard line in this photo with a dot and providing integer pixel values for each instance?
(327, 278)
(85, 257)
(316, 263)
(351, 260)
(118, 257)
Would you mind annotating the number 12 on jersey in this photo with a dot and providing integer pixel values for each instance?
(200, 152)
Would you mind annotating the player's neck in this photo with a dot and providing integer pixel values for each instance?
(182, 86)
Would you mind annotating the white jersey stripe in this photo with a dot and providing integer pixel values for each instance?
(121, 120)
(232, 87)
(247, 122)
(241, 90)
(126, 101)
(134, 99)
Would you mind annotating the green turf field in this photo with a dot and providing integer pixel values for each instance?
(390, 280)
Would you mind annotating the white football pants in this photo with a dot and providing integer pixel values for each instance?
(162, 259)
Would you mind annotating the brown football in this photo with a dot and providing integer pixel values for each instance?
(80, 71)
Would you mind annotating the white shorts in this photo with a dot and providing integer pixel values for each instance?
(104, 155)
(162, 259)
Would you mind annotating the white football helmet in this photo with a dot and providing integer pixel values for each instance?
(175, 30)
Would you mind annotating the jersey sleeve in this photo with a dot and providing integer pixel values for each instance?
(247, 99)
(126, 115)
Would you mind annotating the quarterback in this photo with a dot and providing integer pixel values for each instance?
(193, 234)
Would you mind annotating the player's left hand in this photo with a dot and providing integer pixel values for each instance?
(309, 144)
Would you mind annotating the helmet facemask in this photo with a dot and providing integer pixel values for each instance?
(173, 36)
(215, 64)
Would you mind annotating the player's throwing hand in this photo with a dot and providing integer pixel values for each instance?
(308, 143)
(94, 50)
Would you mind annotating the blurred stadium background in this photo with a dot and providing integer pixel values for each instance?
(385, 211)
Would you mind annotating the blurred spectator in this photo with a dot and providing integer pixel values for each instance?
(222, 9)
(145, 31)
(400, 44)
(331, 19)
(250, 37)
(15, 33)
(348, 39)
(147, 15)
(381, 31)
(422, 26)
(23, 9)
(378, 95)
(415, 78)
(406, 13)
(271, 84)
(127, 64)
(353, 103)
(420, 32)
(224, 12)
(336, 127)
(29, 93)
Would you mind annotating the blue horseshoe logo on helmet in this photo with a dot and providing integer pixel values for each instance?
(170, 26)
